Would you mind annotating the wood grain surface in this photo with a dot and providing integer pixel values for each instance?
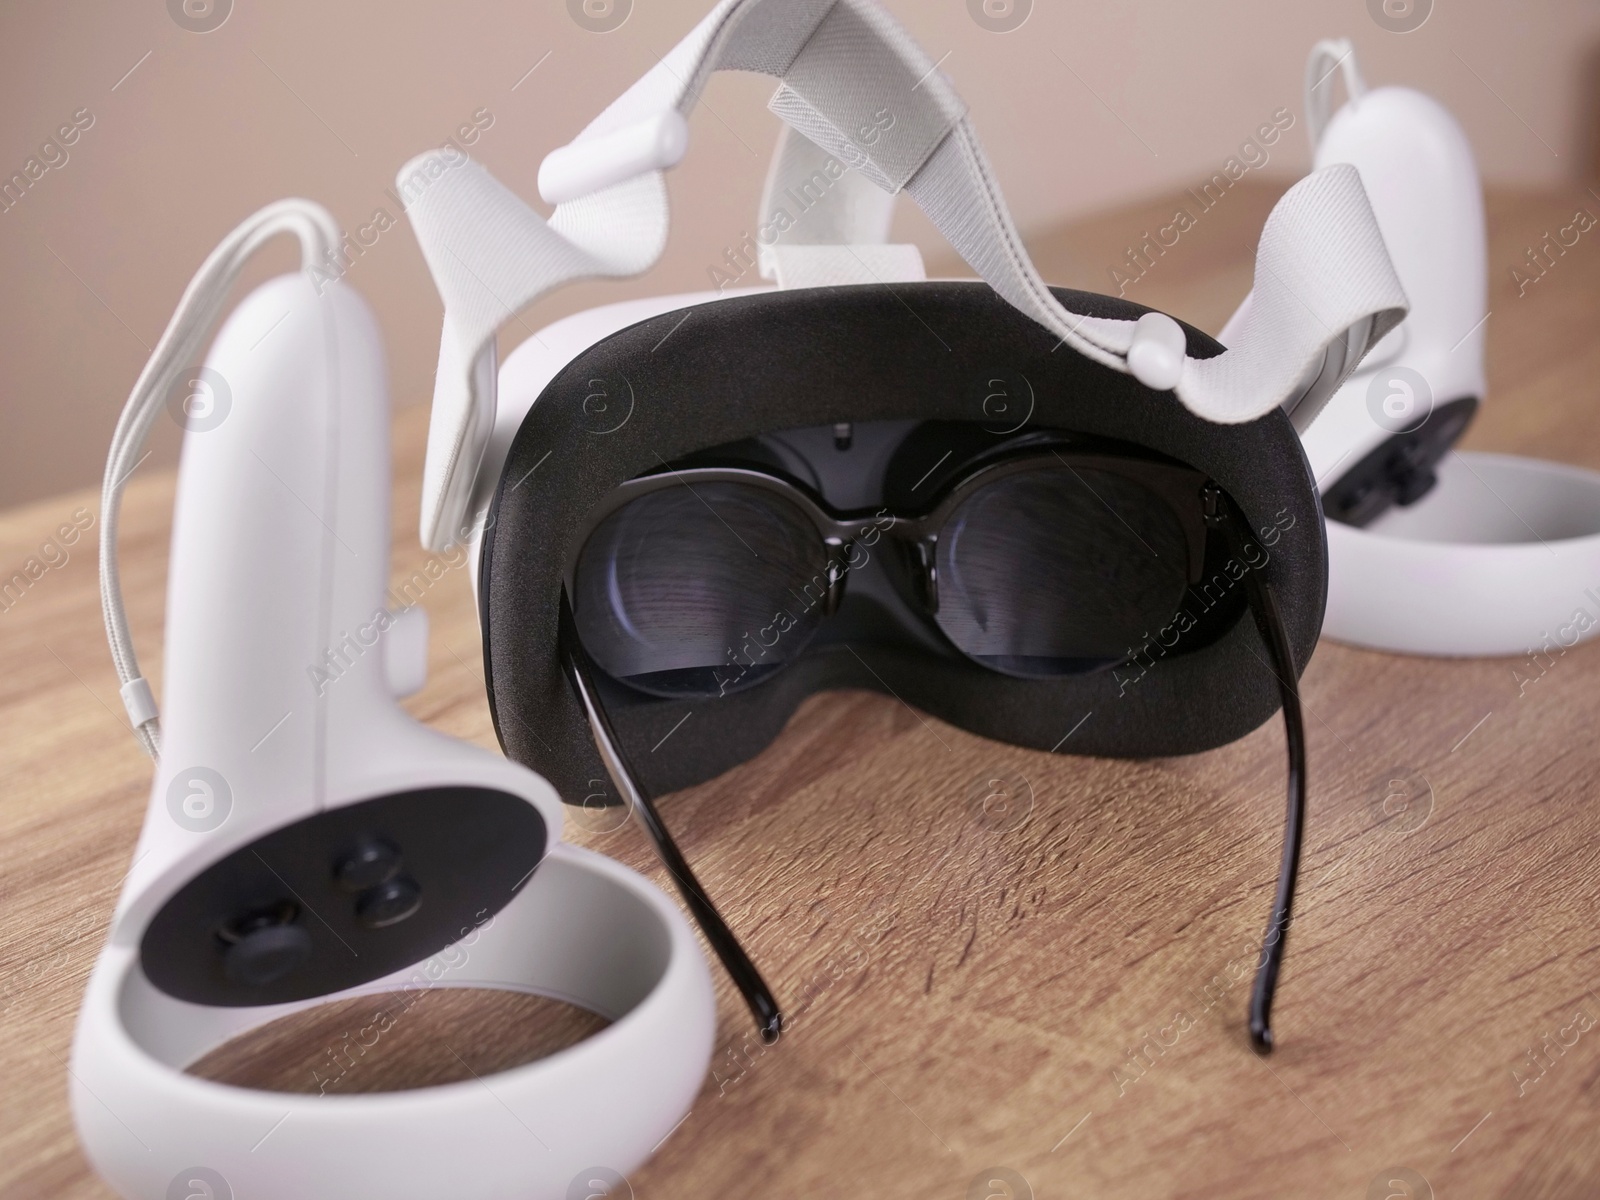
(1051, 1004)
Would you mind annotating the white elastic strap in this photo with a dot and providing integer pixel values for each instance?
(181, 344)
(1322, 268)
(857, 86)
(1328, 59)
(823, 225)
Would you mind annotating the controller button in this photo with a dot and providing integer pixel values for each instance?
(375, 861)
(266, 954)
(389, 903)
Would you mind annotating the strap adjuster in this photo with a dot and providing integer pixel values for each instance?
(593, 164)
(139, 701)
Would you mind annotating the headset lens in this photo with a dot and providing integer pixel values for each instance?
(700, 590)
(1059, 570)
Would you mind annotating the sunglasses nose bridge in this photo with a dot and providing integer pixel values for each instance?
(926, 549)
(838, 569)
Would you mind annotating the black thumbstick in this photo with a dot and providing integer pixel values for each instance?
(266, 954)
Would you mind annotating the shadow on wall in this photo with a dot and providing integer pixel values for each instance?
(1588, 109)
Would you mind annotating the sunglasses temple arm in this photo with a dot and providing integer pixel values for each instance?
(1272, 949)
(1269, 621)
(759, 998)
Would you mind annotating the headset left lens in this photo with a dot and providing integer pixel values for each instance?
(700, 590)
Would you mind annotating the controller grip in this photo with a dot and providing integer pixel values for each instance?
(1421, 176)
(276, 609)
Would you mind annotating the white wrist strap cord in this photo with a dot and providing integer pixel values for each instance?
(856, 85)
(185, 337)
(1329, 58)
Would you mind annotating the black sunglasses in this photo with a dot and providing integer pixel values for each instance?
(1043, 561)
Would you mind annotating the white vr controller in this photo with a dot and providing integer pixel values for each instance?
(306, 840)
(1431, 550)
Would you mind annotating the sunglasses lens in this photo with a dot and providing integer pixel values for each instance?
(1058, 571)
(702, 590)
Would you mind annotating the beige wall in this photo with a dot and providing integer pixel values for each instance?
(1086, 106)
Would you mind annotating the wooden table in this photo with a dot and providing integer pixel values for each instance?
(971, 1003)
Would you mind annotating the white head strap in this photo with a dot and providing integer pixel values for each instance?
(838, 231)
(857, 86)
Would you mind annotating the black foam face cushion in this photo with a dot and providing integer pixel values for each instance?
(736, 369)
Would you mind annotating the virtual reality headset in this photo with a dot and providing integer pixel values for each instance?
(597, 471)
